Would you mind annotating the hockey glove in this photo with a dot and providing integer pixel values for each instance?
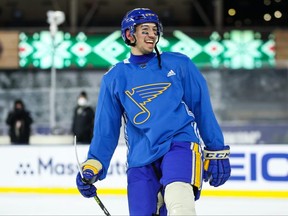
(90, 169)
(217, 168)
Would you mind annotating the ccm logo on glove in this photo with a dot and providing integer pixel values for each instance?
(223, 154)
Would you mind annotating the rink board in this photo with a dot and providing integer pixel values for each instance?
(257, 171)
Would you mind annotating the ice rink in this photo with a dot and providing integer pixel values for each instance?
(39, 204)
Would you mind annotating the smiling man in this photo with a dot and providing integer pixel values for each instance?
(165, 104)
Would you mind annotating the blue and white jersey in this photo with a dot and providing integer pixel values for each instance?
(159, 106)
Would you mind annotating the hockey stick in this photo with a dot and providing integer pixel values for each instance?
(97, 199)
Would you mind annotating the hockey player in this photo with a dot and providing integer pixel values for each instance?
(165, 104)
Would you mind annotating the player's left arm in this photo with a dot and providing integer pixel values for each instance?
(217, 168)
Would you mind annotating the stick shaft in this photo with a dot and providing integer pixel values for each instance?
(102, 205)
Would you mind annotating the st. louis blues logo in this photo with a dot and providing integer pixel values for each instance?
(141, 95)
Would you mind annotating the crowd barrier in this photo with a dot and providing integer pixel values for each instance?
(257, 171)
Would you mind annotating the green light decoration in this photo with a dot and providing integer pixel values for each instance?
(242, 50)
(235, 50)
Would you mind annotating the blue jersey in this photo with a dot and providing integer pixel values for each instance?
(158, 106)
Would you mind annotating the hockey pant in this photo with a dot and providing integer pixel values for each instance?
(182, 164)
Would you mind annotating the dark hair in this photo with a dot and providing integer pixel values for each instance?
(83, 94)
(19, 101)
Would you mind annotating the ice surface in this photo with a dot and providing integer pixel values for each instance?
(40, 204)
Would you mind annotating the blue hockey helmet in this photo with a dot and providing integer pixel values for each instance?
(136, 17)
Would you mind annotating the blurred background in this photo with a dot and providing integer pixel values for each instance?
(53, 50)
(240, 46)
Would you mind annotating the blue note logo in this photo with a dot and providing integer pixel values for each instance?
(141, 95)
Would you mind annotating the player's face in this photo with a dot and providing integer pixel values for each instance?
(146, 36)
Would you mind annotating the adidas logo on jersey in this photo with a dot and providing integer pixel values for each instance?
(171, 73)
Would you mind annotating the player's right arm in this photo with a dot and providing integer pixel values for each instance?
(107, 125)
(106, 133)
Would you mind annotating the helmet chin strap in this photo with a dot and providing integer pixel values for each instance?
(158, 57)
(158, 54)
(134, 43)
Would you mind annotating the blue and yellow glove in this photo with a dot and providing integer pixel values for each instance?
(217, 168)
(91, 170)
